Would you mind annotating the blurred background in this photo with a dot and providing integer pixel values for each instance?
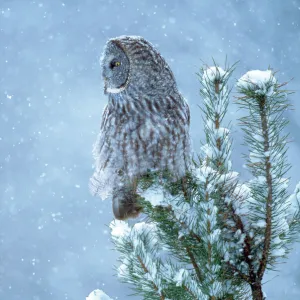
(54, 239)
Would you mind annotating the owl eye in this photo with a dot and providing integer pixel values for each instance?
(114, 64)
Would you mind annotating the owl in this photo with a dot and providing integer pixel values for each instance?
(145, 124)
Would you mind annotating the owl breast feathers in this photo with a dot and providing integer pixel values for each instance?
(145, 125)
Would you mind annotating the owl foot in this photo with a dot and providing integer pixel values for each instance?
(124, 204)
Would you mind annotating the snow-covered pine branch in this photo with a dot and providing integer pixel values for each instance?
(209, 236)
(269, 207)
(98, 295)
(142, 264)
(231, 196)
(219, 182)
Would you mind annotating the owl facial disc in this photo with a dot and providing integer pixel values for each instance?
(115, 68)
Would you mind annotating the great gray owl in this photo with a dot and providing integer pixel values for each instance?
(145, 125)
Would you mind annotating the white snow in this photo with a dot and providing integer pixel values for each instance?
(214, 236)
(260, 81)
(276, 240)
(144, 229)
(154, 196)
(123, 271)
(294, 201)
(213, 73)
(119, 228)
(226, 256)
(258, 137)
(222, 132)
(229, 177)
(283, 183)
(141, 227)
(282, 223)
(261, 223)
(242, 189)
(278, 252)
(98, 295)
(207, 150)
(215, 289)
(255, 157)
(259, 180)
(181, 276)
(204, 172)
(142, 237)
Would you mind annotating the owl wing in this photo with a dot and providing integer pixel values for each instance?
(106, 164)
(163, 138)
(178, 122)
(187, 112)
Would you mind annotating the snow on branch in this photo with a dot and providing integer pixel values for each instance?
(217, 180)
(98, 295)
(269, 204)
(140, 263)
(294, 200)
(261, 82)
(213, 74)
(209, 235)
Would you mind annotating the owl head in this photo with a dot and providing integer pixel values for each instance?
(115, 68)
(132, 62)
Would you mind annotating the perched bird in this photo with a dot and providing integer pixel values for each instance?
(145, 125)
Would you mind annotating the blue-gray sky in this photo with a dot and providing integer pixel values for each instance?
(54, 240)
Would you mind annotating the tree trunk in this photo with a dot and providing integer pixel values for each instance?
(257, 293)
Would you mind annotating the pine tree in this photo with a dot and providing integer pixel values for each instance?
(210, 235)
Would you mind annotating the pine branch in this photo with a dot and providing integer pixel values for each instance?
(246, 248)
(141, 264)
(218, 236)
(194, 263)
(236, 270)
(161, 294)
(268, 203)
(217, 156)
(190, 292)
(269, 200)
(171, 215)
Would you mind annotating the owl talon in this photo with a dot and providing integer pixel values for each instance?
(124, 204)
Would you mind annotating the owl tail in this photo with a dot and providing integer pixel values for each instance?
(124, 203)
